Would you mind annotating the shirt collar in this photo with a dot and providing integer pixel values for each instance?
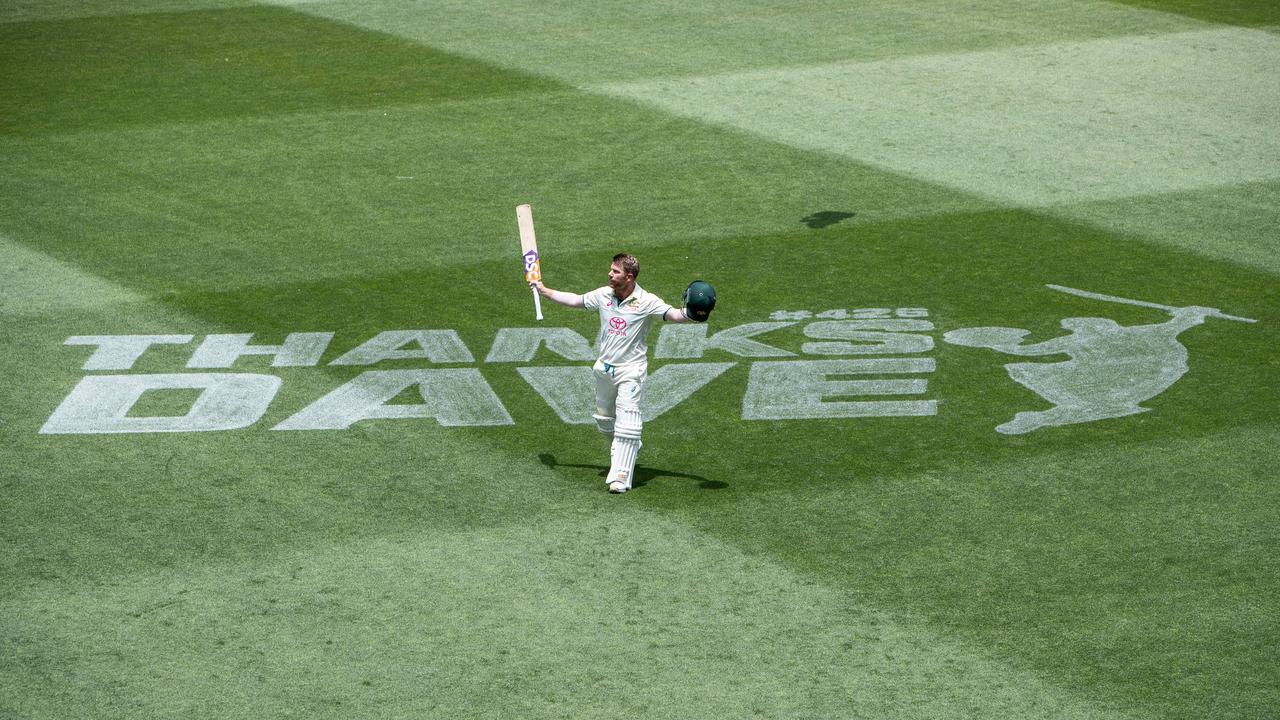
(636, 293)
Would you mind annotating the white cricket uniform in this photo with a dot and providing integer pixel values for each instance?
(624, 326)
(621, 369)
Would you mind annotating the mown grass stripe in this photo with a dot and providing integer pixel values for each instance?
(189, 66)
(542, 620)
(1233, 222)
(419, 187)
(635, 41)
(1247, 14)
(1116, 568)
(1030, 126)
(33, 283)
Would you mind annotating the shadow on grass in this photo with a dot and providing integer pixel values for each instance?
(643, 474)
(825, 218)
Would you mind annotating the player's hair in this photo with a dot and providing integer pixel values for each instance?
(628, 263)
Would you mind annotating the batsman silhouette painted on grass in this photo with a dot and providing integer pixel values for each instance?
(1111, 368)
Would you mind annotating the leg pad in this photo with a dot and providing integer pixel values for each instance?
(629, 422)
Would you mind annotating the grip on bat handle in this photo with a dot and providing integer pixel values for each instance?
(537, 303)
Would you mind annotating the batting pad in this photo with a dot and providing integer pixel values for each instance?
(630, 422)
(623, 458)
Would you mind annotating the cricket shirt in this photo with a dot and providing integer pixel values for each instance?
(624, 325)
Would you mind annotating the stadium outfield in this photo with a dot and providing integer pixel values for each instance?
(982, 426)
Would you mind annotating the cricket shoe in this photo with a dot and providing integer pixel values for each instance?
(617, 486)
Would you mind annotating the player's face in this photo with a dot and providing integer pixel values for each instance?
(619, 279)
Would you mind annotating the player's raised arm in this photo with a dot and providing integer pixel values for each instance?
(559, 297)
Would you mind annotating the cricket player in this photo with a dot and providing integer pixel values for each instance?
(626, 313)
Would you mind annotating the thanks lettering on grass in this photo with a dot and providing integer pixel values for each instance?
(846, 376)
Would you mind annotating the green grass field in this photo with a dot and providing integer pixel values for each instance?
(827, 522)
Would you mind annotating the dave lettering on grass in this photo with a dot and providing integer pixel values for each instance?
(784, 386)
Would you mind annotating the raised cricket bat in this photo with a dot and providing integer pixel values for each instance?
(529, 251)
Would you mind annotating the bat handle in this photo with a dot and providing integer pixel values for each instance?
(537, 303)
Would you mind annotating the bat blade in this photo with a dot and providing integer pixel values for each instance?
(529, 253)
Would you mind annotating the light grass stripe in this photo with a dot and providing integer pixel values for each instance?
(1077, 129)
(33, 283)
(615, 614)
(1030, 126)
(1155, 105)
(1236, 222)
(585, 43)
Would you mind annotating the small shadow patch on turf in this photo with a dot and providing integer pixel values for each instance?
(825, 218)
(643, 474)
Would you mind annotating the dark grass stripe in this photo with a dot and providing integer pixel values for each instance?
(1247, 13)
(269, 200)
(192, 66)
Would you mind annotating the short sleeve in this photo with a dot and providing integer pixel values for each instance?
(657, 306)
(596, 298)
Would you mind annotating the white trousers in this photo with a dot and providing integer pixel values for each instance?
(619, 390)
